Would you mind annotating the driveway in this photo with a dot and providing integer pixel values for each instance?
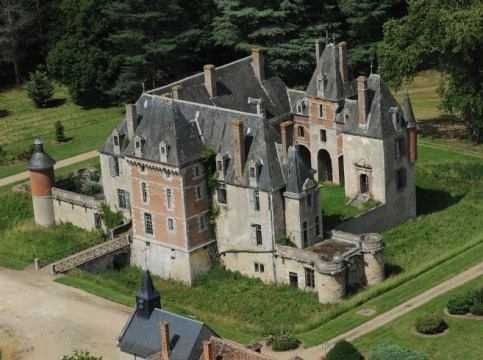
(41, 319)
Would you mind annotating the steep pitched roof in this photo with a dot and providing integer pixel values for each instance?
(40, 160)
(408, 110)
(328, 66)
(235, 83)
(297, 173)
(147, 290)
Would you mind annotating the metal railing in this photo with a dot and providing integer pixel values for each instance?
(89, 254)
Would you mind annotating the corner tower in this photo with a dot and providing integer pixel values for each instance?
(147, 298)
(41, 171)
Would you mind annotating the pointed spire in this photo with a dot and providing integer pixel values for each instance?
(147, 290)
(147, 298)
(408, 109)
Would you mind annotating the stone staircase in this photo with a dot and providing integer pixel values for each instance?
(359, 200)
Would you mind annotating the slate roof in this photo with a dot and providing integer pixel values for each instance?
(108, 146)
(379, 119)
(235, 83)
(297, 173)
(173, 121)
(408, 110)
(147, 291)
(328, 65)
(40, 160)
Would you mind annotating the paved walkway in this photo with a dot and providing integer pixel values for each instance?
(314, 353)
(69, 161)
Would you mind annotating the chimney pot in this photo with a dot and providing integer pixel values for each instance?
(165, 345)
(258, 63)
(343, 66)
(363, 99)
(210, 81)
(238, 148)
(177, 92)
(319, 44)
(132, 120)
(207, 350)
(286, 131)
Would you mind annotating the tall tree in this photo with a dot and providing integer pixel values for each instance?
(448, 32)
(285, 29)
(152, 42)
(16, 32)
(80, 56)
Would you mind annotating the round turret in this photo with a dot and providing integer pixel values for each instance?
(373, 252)
(41, 173)
(331, 279)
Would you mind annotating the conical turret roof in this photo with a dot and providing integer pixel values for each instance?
(40, 160)
(147, 291)
(408, 110)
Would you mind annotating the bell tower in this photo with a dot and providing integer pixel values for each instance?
(147, 298)
(41, 171)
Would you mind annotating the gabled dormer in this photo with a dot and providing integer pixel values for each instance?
(147, 298)
(222, 162)
(164, 149)
(138, 146)
(255, 169)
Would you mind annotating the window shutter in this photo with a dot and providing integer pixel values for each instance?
(112, 166)
(128, 202)
(251, 196)
(254, 234)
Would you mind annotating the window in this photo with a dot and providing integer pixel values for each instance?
(221, 193)
(293, 279)
(254, 200)
(148, 224)
(398, 148)
(309, 278)
(116, 140)
(114, 166)
(144, 190)
(199, 192)
(323, 135)
(253, 172)
(121, 199)
(257, 234)
(301, 131)
(317, 226)
(219, 165)
(305, 234)
(97, 220)
(196, 171)
(142, 168)
(170, 225)
(400, 179)
(309, 200)
(203, 222)
(169, 198)
(259, 268)
(321, 111)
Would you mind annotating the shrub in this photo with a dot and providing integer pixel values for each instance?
(479, 295)
(81, 355)
(477, 309)
(285, 240)
(458, 305)
(59, 131)
(344, 350)
(391, 352)
(39, 89)
(284, 342)
(111, 218)
(430, 324)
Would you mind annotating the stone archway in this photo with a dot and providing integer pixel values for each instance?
(304, 154)
(324, 163)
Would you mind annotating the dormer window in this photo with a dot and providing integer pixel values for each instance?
(300, 106)
(222, 162)
(255, 170)
(347, 113)
(116, 140)
(321, 85)
(393, 111)
(116, 137)
(256, 105)
(164, 151)
(138, 146)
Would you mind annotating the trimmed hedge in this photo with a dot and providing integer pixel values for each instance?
(393, 352)
(344, 350)
(477, 309)
(283, 342)
(430, 324)
(458, 305)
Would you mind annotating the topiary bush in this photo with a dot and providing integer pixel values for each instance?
(344, 350)
(430, 324)
(284, 342)
(40, 88)
(458, 305)
(477, 309)
(392, 352)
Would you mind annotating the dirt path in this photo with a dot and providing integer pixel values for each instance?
(314, 353)
(41, 319)
(61, 163)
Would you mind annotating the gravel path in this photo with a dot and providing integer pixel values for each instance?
(69, 161)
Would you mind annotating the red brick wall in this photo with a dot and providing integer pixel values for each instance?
(41, 182)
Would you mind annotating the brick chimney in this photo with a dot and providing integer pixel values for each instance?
(210, 81)
(207, 350)
(344, 71)
(258, 63)
(165, 346)
(238, 147)
(363, 99)
(286, 131)
(177, 92)
(132, 120)
(319, 47)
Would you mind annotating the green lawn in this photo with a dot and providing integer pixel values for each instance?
(463, 341)
(21, 123)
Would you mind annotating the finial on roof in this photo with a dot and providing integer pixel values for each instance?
(144, 90)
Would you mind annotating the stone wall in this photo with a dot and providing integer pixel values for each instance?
(107, 262)
(229, 350)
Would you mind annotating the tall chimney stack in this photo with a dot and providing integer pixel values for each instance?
(177, 92)
(286, 131)
(165, 345)
(207, 349)
(238, 147)
(132, 120)
(343, 67)
(210, 81)
(363, 99)
(258, 63)
(319, 45)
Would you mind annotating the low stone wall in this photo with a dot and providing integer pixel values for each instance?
(229, 350)
(80, 210)
(110, 261)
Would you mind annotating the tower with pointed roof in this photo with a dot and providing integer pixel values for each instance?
(41, 172)
(147, 298)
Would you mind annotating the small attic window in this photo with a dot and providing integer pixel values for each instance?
(300, 106)
(222, 163)
(163, 151)
(138, 146)
(116, 140)
(321, 84)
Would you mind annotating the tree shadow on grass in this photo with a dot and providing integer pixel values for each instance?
(443, 127)
(429, 201)
(4, 113)
(55, 103)
(392, 269)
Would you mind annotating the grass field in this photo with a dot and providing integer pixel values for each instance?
(21, 123)
(462, 341)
